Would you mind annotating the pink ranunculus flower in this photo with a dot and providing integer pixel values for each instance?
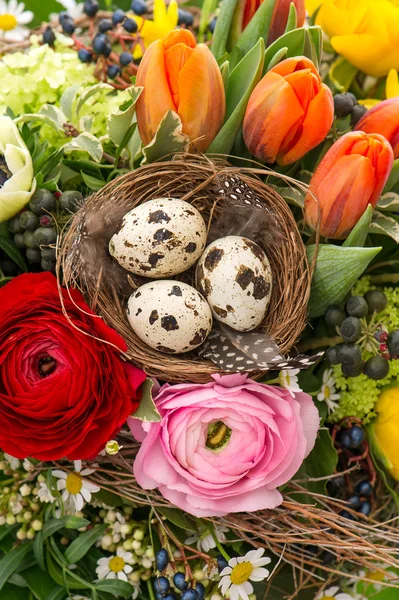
(225, 446)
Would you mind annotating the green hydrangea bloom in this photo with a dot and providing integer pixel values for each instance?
(359, 394)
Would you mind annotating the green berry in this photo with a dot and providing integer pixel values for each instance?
(33, 255)
(44, 236)
(49, 254)
(357, 307)
(47, 265)
(377, 367)
(71, 200)
(29, 239)
(14, 225)
(332, 355)
(349, 355)
(29, 220)
(334, 315)
(19, 240)
(376, 301)
(351, 329)
(42, 202)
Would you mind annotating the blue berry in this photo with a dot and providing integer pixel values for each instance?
(162, 585)
(91, 7)
(105, 25)
(345, 440)
(222, 562)
(200, 589)
(170, 596)
(161, 559)
(159, 596)
(334, 315)
(185, 17)
(357, 307)
(49, 36)
(62, 16)
(364, 488)
(190, 594)
(85, 55)
(68, 26)
(354, 502)
(130, 25)
(113, 71)
(365, 508)
(118, 16)
(125, 59)
(212, 25)
(351, 329)
(357, 436)
(393, 342)
(346, 515)
(180, 582)
(377, 367)
(139, 7)
(102, 45)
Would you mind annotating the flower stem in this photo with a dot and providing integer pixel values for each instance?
(319, 343)
(385, 278)
(150, 590)
(219, 545)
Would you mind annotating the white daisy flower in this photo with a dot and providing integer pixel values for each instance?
(289, 380)
(333, 593)
(44, 494)
(377, 575)
(14, 463)
(241, 571)
(205, 542)
(137, 590)
(328, 393)
(75, 489)
(115, 567)
(13, 17)
(73, 8)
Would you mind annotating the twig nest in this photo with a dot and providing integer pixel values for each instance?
(235, 277)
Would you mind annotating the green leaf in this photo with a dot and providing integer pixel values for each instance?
(52, 526)
(72, 522)
(225, 72)
(6, 529)
(42, 118)
(115, 587)
(313, 44)
(67, 100)
(243, 80)
(11, 561)
(342, 73)
(337, 270)
(385, 225)
(294, 41)
(38, 550)
(257, 28)
(178, 518)
(291, 195)
(279, 56)
(83, 543)
(389, 201)
(147, 410)
(81, 99)
(12, 593)
(292, 20)
(358, 235)
(208, 8)
(92, 182)
(56, 574)
(119, 122)
(393, 178)
(222, 29)
(87, 142)
(55, 114)
(40, 583)
(12, 252)
(168, 139)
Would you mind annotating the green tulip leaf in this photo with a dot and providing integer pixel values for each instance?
(359, 233)
(147, 411)
(389, 201)
(225, 72)
(279, 56)
(9, 247)
(337, 270)
(342, 73)
(385, 225)
(393, 178)
(222, 29)
(292, 20)
(243, 79)
(168, 139)
(257, 28)
(207, 10)
(313, 44)
(298, 42)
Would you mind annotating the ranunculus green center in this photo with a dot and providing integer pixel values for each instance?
(5, 174)
(218, 435)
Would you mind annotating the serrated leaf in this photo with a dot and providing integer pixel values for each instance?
(168, 139)
(222, 29)
(13, 252)
(337, 270)
(389, 201)
(87, 142)
(115, 587)
(342, 73)
(67, 100)
(11, 561)
(92, 182)
(385, 225)
(358, 235)
(79, 547)
(147, 410)
(119, 122)
(81, 99)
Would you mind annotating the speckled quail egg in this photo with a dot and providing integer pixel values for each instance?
(235, 277)
(170, 316)
(160, 238)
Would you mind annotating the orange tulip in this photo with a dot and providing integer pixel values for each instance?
(279, 18)
(289, 112)
(383, 118)
(350, 176)
(179, 75)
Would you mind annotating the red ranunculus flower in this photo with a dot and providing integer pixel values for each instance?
(63, 393)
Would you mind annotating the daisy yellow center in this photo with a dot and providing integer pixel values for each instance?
(327, 394)
(218, 435)
(328, 598)
(241, 573)
(375, 575)
(74, 483)
(8, 22)
(116, 564)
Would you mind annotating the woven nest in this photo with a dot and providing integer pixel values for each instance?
(85, 262)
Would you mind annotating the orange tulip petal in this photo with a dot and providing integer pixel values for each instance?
(289, 65)
(179, 36)
(175, 59)
(383, 119)
(280, 17)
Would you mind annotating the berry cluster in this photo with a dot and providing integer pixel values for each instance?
(346, 104)
(162, 584)
(359, 329)
(35, 228)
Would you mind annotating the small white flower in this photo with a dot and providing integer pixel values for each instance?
(240, 571)
(333, 593)
(27, 465)
(137, 590)
(14, 463)
(328, 393)
(13, 17)
(205, 542)
(115, 567)
(74, 9)
(25, 490)
(16, 505)
(112, 447)
(76, 490)
(377, 575)
(44, 494)
(289, 380)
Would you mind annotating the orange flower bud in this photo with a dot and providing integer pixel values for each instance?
(383, 118)
(279, 18)
(179, 75)
(289, 112)
(350, 176)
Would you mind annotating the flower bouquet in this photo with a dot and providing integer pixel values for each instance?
(199, 302)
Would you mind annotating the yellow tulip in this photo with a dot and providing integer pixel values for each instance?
(385, 430)
(165, 20)
(365, 32)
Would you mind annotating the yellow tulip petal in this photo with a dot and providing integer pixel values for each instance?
(172, 14)
(392, 84)
(369, 102)
(337, 18)
(159, 11)
(367, 53)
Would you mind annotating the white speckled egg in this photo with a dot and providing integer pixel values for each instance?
(170, 316)
(159, 238)
(235, 277)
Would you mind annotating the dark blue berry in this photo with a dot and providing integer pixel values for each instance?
(118, 16)
(139, 7)
(179, 579)
(91, 7)
(33, 255)
(343, 104)
(393, 343)
(46, 265)
(334, 315)
(200, 589)
(357, 307)
(222, 562)
(352, 370)
(102, 45)
(351, 329)
(42, 202)
(345, 440)
(349, 355)
(125, 59)
(130, 25)
(68, 26)
(85, 55)
(332, 355)
(346, 515)
(105, 25)
(44, 236)
(190, 594)
(113, 71)
(212, 25)
(376, 300)
(335, 485)
(49, 36)
(170, 596)
(159, 596)
(161, 559)
(365, 508)
(185, 17)
(354, 502)
(162, 585)
(328, 558)
(377, 367)
(63, 15)
(357, 113)
(364, 488)
(357, 435)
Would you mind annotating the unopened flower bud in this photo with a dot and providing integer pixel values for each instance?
(37, 525)
(116, 538)
(106, 541)
(111, 516)
(28, 516)
(30, 534)
(112, 447)
(25, 490)
(127, 544)
(21, 535)
(138, 535)
(146, 563)
(136, 545)
(10, 520)
(2, 520)
(199, 574)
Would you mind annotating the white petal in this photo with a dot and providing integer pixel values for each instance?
(79, 502)
(111, 575)
(86, 494)
(261, 562)
(65, 495)
(60, 474)
(234, 592)
(61, 484)
(226, 571)
(122, 576)
(233, 562)
(92, 487)
(224, 584)
(128, 569)
(77, 465)
(25, 17)
(242, 592)
(87, 472)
